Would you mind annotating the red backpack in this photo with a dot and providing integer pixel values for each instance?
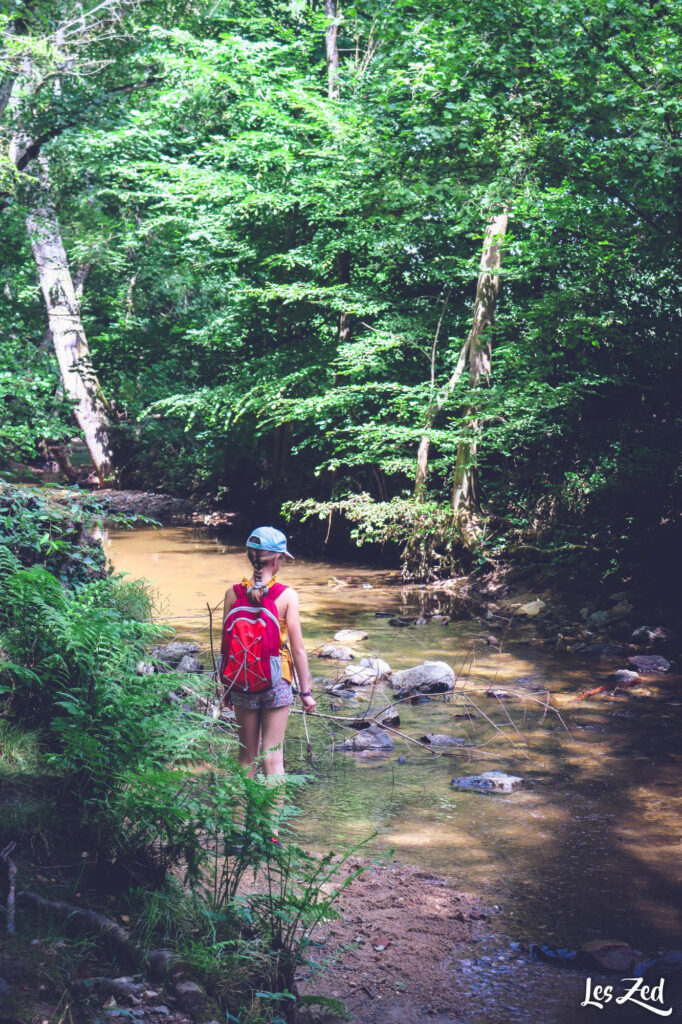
(250, 656)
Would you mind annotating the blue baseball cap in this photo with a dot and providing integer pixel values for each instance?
(267, 538)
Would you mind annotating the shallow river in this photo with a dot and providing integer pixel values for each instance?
(589, 848)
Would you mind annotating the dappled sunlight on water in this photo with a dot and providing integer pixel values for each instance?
(589, 848)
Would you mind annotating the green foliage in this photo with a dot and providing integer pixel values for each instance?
(41, 530)
(280, 285)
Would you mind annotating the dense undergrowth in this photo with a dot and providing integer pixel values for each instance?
(108, 770)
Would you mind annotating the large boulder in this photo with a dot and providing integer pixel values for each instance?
(431, 677)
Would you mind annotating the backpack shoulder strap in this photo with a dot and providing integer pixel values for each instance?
(276, 589)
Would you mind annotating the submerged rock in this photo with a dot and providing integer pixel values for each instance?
(336, 651)
(430, 677)
(500, 694)
(597, 650)
(401, 620)
(372, 738)
(441, 739)
(489, 782)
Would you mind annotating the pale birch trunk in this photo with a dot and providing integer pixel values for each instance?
(65, 324)
(62, 305)
(476, 356)
(331, 12)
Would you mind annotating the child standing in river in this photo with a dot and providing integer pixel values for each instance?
(262, 713)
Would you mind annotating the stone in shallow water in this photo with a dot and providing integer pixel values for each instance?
(372, 738)
(174, 653)
(649, 664)
(431, 677)
(380, 667)
(441, 739)
(189, 664)
(350, 636)
(336, 651)
(489, 782)
(624, 676)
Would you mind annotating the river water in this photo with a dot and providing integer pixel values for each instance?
(588, 848)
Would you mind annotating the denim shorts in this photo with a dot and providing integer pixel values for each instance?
(279, 695)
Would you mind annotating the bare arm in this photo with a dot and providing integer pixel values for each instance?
(298, 652)
(230, 598)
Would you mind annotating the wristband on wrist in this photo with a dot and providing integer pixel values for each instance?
(305, 693)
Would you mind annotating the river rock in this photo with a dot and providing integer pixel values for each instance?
(597, 619)
(358, 675)
(499, 694)
(441, 739)
(532, 608)
(489, 782)
(189, 664)
(401, 620)
(431, 677)
(372, 738)
(624, 677)
(190, 996)
(350, 636)
(649, 664)
(144, 668)
(172, 654)
(622, 610)
(339, 690)
(336, 651)
(380, 667)
(388, 717)
(609, 954)
(598, 651)
(658, 639)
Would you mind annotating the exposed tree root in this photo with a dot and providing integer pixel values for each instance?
(80, 920)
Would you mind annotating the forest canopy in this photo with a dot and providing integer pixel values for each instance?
(413, 270)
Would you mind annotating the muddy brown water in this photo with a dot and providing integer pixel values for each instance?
(589, 848)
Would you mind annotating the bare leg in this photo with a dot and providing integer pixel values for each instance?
(273, 726)
(249, 726)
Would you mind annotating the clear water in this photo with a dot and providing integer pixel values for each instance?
(589, 848)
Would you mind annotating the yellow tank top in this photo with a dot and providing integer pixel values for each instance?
(285, 650)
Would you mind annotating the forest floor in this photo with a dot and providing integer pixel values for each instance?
(410, 948)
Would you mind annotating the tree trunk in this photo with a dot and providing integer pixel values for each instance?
(66, 327)
(331, 11)
(432, 411)
(476, 356)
